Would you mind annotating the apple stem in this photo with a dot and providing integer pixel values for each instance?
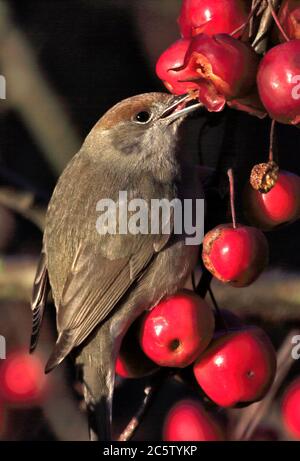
(217, 309)
(231, 189)
(244, 26)
(275, 17)
(204, 282)
(272, 138)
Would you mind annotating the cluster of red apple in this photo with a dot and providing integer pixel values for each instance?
(22, 383)
(232, 365)
(236, 364)
(214, 61)
(188, 420)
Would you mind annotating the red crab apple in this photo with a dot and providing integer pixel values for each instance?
(278, 206)
(188, 421)
(177, 330)
(235, 255)
(22, 379)
(212, 17)
(225, 68)
(131, 361)
(278, 82)
(238, 367)
(289, 18)
(169, 68)
(291, 409)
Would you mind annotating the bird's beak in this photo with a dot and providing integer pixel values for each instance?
(178, 108)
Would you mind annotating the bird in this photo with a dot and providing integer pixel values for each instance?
(101, 283)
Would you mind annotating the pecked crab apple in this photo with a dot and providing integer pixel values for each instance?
(235, 254)
(220, 68)
(213, 17)
(169, 68)
(271, 199)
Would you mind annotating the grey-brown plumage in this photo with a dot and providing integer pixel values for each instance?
(40, 291)
(101, 283)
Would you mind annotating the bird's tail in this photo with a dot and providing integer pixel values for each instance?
(97, 363)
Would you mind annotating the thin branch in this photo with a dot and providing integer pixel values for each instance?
(23, 203)
(16, 278)
(217, 309)
(277, 21)
(232, 196)
(31, 95)
(261, 39)
(150, 393)
(244, 26)
(257, 5)
(274, 297)
(272, 139)
(204, 283)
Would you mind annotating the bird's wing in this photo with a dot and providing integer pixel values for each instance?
(84, 304)
(41, 288)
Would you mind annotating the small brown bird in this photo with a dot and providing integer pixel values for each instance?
(101, 282)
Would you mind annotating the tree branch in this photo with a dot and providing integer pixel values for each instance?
(150, 393)
(260, 41)
(31, 95)
(23, 203)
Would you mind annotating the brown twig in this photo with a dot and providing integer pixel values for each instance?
(272, 139)
(244, 26)
(274, 297)
(204, 283)
(253, 415)
(260, 41)
(23, 203)
(31, 95)
(150, 392)
(217, 309)
(274, 15)
(257, 5)
(232, 196)
(16, 278)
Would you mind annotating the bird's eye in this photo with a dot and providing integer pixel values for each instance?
(142, 117)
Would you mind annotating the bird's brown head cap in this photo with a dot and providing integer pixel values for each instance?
(141, 130)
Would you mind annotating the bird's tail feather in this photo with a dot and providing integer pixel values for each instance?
(98, 398)
(97, 362)
(63, 347)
